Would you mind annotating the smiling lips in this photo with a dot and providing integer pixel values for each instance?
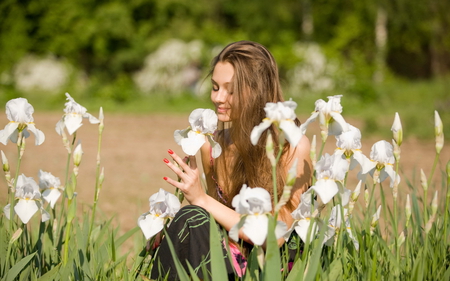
(222, 109)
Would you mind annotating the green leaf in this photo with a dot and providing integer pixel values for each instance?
(180, 269)
(314, 260)
(218, 267)
(50, 274)
(272, 266)
(127, 235)
(194, 276)
(335, 271)
(297, 271)
(18, 267)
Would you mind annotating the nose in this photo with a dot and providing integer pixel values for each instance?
(220, 96)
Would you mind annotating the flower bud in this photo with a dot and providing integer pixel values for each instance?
(376, 217)
(292, 173)
(101, 178)
(395, 187)
(439, 132)
(407, 209)
(366, 197)
(77, 153)
(396, 150)
(397, 130)
(5, 162)
(434, 203)
(101, 117)
(16, 235)
(355, 193)
(423, 180)
(270, 151)
(401, 239)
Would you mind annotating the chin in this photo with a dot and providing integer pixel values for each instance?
(223, 118)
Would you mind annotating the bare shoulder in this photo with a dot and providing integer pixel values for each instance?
(301, 153)
(302, 150)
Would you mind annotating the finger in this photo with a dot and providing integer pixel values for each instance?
(175, 168)
(175, 183)
(178, 160)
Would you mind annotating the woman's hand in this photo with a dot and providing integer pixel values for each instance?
(189, 176)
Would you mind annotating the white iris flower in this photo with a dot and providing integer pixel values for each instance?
(29, 200)
(20, 115)
(282, 115)
(349, 146)
(254, 205)
(50, 186)
(163, 206)
(330, 118)
(203, 124)
(331, 170)
(335, 223)
(382, 160)
(73, 117)
(302, 218)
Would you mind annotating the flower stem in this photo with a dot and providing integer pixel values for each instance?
(436, 159)
(97, 184)
(447, 204)
(12, 195)
(274, 176)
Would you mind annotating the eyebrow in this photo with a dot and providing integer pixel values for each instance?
(225, 84)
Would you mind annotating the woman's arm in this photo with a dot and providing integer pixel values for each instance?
(195, 194)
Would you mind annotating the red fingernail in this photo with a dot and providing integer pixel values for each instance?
(170, 151)
(165, 160)
(165, 178)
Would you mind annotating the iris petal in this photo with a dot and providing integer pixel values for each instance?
(326, 189)
(25, 209)
(192, 143)
(255, 227)
(150, 224)
(292, 133)
(258, 130)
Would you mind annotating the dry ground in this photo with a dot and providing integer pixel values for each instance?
(132, 152)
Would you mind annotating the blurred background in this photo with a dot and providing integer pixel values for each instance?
(147, 56)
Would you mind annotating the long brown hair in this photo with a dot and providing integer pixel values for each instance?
(255, 83)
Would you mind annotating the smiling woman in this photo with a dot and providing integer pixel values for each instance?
(245, 81)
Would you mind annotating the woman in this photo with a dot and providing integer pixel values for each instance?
(244, 78)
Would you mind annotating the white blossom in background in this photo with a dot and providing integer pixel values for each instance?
(20, 115)
(381, 164)
(50, 186)
(314, 72)
(203, 124)
(330, 173)
(163, 207)
(41, 74)
(281, 114)
(73, 117)
(173, 68)
(254, 205)
(29, 200)
(330, 118)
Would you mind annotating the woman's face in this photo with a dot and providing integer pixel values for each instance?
(221, 93)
